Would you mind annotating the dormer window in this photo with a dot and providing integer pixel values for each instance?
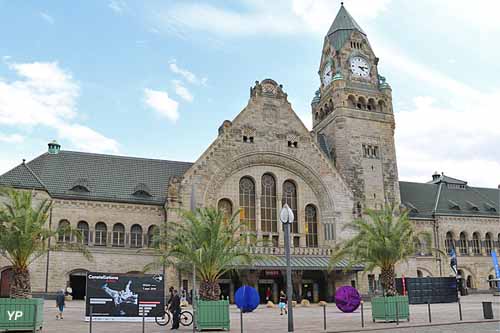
(490, 208)
(472, 206)
(81, 186)
(142, 191)
(453, 205)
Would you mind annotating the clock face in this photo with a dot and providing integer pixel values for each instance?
(326, 75)
(360, 67)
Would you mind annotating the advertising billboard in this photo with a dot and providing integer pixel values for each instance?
(124, 297)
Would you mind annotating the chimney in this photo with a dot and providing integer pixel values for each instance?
(435, 176)
(54, 147)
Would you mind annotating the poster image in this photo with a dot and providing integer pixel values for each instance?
(124, 297)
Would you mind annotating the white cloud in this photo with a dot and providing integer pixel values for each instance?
(186, 74)
(118, 6)
(160, 102)
(46, 95)
(11, 138)
(261, 17)
(182, 91)
(49, 19)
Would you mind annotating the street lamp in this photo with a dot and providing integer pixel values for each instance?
(286, 217)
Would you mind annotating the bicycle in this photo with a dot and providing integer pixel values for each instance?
(186, 318)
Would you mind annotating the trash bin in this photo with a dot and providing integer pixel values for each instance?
(487, 310)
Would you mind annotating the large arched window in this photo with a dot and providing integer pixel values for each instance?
(64, 232)
(268, 211)
(290, 198)
(136, 236)
(311, 226)
(476, 244)
(83, 228)
(101, 233)
(226, 207)
(462, 243)
(118, 235)
(449, 242)
(247, 203)
(488, 243)
(152, 231)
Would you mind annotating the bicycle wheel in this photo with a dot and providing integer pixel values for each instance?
(162, 321)
(186, 318)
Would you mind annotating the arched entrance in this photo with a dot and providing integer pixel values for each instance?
(5, 279)
(77, 282)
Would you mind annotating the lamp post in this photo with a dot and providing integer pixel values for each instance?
(286, 217)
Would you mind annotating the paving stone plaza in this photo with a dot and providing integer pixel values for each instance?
(307, 319)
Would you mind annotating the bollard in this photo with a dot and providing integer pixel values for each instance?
(324, 317)
(429, 310)
(90, 320)
(143, 320)
(397, 313)
(362, 315)
(460, 309)
(241, 320)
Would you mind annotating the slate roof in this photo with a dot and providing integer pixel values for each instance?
(302, 263)
(78, 175)
(341, 28)
(449, 196)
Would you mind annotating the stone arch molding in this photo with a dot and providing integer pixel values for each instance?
(212, 185)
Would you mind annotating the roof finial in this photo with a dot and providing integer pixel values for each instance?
(24, 160)
(342, 3)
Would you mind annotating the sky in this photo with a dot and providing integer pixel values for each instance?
(156, 79)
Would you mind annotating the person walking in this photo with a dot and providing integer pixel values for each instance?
(268, 294)
(175, 309)
(60, 304)
(282, 303)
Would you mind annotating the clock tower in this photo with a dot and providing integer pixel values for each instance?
(353, 117)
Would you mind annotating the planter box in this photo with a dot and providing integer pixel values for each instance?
(21, 314)
(211, 315)
(384, 308)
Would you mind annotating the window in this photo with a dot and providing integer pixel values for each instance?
(247, 203)
(83, 228)
(476, 244)
(152, 231)
(449, 242)
(268, 210)
(118, 235)
(64, 232)
(293, 144)
(100, 234)
(311, 226)
(226, 207)
(370, 151)
(290, 198)
(136, 236)
(329, 231)
(296, 241)
(462, 243)
(488, 243)
(419, 273)
(247, 139)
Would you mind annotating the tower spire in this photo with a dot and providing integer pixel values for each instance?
(342, 27)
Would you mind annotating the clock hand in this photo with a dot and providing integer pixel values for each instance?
(363, 68)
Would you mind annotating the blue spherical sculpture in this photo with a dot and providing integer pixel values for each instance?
(247, 298)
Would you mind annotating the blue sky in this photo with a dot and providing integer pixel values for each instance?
(157, 78)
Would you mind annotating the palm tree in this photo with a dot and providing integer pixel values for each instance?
(383, 239)
(208, 239)
(24, 236)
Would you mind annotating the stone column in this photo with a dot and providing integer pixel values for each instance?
(281, 234)
(258, 224)
(315, 292)
(275, 293)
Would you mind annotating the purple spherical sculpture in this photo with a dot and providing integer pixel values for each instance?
(347, 299)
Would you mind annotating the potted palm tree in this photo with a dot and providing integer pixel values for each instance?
(24, 237)
(382, 239)
(210, 242)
